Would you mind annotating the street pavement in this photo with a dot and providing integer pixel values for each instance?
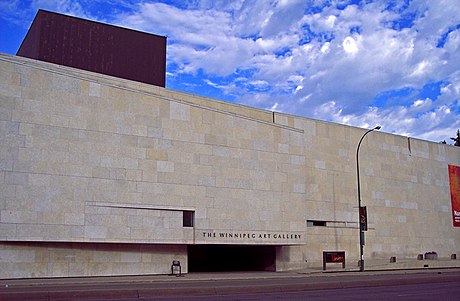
(404, 292)
(211, 285)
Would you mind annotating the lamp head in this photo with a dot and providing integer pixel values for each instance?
(377, 127)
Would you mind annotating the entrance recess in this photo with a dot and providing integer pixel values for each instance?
(223, 258)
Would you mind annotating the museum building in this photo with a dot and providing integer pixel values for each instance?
(104, 171)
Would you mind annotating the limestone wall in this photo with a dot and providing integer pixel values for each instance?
(94, 162)
(404, 184)
(45, 259)
(86, 158)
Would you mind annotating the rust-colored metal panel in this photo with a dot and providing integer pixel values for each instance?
(96, 47)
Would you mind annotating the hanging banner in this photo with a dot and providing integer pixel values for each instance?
(363, 218)
(454, 178)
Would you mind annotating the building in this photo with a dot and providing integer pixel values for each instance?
(101, 175)
(97, 47)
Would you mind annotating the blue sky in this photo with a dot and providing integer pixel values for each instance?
(362, 63)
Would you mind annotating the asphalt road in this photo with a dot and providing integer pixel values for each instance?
(410, 292)
(397, 285)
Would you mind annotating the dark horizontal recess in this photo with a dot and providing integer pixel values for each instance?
(316, 223)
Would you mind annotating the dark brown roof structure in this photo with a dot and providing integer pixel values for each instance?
(97, 47)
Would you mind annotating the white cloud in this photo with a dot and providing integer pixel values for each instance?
(330, 64)
(350, 45)
(273, 108)
(330, 21)
(421, 104)
(283, 15)
(259, 84)
(421, 68)
(9, 10)
(73, 8)
(432, 124)
(325, 47)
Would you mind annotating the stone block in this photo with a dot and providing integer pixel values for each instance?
(94, 89)
(153, 154)
(95, 232)
(131, 257)
(18, 217)
(74, 218)
(7, 231)
(165, 166)
(179, 111)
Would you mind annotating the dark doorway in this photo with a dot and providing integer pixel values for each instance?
(223, 258)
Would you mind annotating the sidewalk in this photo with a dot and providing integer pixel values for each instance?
(386, 265)
(371, 267)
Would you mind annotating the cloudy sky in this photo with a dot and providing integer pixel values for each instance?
(362, 63)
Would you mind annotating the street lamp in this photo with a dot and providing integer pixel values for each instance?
(361, 225)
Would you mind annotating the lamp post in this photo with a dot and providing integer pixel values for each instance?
(361, 229)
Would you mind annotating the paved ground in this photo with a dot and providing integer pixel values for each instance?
(211, 285)
(410, 292)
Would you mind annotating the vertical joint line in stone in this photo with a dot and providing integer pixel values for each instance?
(408, 146)
(273, 113)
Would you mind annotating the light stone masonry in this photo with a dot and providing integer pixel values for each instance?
(97, 174)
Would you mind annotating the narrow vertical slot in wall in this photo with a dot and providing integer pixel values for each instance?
(408, 146)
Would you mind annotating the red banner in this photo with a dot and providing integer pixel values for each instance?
(454, 177)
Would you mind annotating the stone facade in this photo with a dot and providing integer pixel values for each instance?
(98, 174)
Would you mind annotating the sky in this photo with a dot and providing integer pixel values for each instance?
(363, 63)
